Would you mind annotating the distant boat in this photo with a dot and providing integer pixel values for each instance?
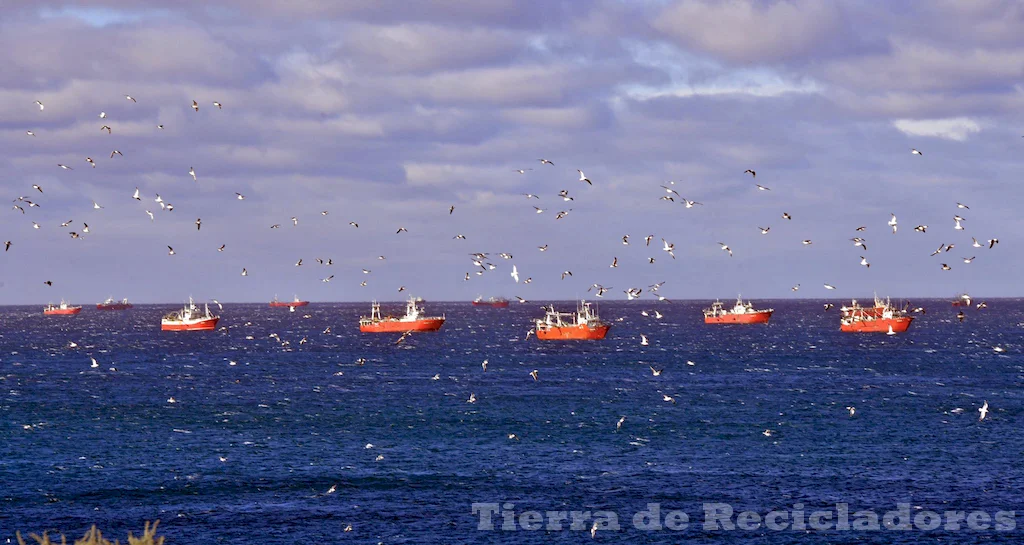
(962, 300)
(740, 313)
(881, 318)
(111, 304)
(494, 302)
(63, 309)
(414, 320)
(294, 303)
(582, 325)
(190, 318)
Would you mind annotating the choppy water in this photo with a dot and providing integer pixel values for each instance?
(80, 445)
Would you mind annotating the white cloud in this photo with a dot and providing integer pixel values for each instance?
(954, 128)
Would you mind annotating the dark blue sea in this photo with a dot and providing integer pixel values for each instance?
(250, 452)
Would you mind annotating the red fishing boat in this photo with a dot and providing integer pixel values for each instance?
(494, 302)
(63, 309)
(190, 318)
(855, 308)
(414, 320)
(740, 313)
(962, 300)
(295, 303)
(111, 304)
(891, 320)
(583, 325)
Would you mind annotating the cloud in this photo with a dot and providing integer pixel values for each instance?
(388, 111)
(744, 31)
(957, 128)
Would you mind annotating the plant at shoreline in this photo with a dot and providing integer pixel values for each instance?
(95, 537)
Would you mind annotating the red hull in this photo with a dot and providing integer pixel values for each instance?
(202, 325)
(114, 306)
(289, 303)
(573, 333)
(396, 326)
(493, 304)
(751, 318)
(62, 311)
(878, 325)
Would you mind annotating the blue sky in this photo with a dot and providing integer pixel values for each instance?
(388, 113)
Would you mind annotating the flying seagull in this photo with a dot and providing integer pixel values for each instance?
(752, 173)
(915, 152)
(192, 173)
(583, 177)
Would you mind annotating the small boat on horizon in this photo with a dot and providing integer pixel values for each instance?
(63, 309)
(414, 320)
(112, 304)
(582, 325)
(962, 300)
(294, 303)
(740, 313)
(190, 318)
(493, 302)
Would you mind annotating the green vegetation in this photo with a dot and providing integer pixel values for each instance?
(95, 537)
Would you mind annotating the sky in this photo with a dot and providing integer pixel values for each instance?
(387, 113)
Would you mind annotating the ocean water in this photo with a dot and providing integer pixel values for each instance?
(408, 457)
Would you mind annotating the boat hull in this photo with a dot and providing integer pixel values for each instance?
(278, 304)
(62, 311)
(492, 304)
(198, 325)
(877, 325)
(748, 318)
(114, 306)
(572, 333)
(399, 326)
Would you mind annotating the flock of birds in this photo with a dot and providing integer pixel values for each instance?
(482, 261)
